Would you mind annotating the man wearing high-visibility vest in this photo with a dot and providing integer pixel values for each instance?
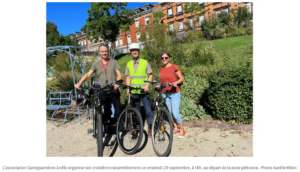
(137, 71)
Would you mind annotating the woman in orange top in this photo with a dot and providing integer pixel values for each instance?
(171, 94)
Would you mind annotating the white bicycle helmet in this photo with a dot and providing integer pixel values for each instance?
(135, 46)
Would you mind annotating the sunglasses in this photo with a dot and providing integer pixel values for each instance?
(164, 58)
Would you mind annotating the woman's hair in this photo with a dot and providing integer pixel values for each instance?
(167, 53)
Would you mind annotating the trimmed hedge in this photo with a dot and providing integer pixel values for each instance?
(230, 94)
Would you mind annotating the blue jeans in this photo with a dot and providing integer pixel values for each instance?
(145, 98)
(173, 101)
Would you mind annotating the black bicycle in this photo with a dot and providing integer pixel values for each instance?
(96, 101)
(130, 126)
(162, 126)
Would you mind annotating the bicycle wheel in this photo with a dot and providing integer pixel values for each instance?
(99, 131)
(130, 132)
(162, 133)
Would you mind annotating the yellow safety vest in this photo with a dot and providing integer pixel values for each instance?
(137, 78)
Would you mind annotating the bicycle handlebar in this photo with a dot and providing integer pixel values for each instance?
(161, 85)
(124, 86)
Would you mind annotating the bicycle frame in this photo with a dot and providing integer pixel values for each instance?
(129, 104)
(94, 103)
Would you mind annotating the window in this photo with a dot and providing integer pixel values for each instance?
(136, 24)
(101, 39)
(147, 20)
(147, 8)
(248, 6)
(226, 10)
(84, 42)
(170, 13)
(129, 39)
(81, 43)
(180, 26)
(138, 11)
(221, 10)
(191, 22)
(201, 19)
(217, 13)
(121, 41)
(171, 27)
(179, 9)
(138, 37)
(117, 43)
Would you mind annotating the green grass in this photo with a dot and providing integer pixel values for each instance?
(235, 47)
(122, 60)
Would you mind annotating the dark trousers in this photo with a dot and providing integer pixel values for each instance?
(145, 98)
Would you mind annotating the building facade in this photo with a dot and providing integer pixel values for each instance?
(82, 40)
(87, 45)
(175, 16)
(142, 18)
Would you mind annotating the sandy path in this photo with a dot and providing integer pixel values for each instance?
(72, 140)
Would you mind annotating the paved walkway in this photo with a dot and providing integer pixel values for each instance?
(206, 138)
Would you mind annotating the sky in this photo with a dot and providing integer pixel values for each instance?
(71, 16)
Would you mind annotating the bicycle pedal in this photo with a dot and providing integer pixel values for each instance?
(90, 131)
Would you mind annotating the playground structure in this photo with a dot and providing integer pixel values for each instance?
(59, 102)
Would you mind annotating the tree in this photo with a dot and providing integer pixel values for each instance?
(51, 28)
(53, 38)
(195, 10)
(101, 22)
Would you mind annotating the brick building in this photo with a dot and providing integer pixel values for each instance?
(142, 18)
(87, 45)
(175, 17)
(82, 40)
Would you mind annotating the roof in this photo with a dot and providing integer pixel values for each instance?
(147, 12)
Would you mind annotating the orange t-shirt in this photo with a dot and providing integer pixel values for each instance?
(167, 74)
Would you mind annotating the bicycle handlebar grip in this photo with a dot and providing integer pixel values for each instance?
(152, 82)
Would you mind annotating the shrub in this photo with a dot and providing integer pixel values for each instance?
(230, 92)
(62, 81)
(194, 87)
(242, 15)
(191, 112)
(227, 25)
